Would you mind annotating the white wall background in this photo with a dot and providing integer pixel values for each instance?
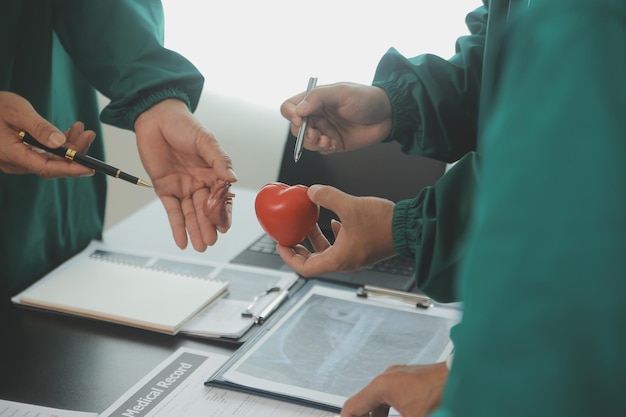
(255, 54)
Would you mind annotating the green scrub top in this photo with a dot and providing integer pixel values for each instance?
(56, 54)
(537, 90)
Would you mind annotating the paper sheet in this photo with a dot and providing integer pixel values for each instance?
(16, 409)
(176, 388)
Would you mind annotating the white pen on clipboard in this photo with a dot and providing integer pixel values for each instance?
(270, 308)
(297, 150)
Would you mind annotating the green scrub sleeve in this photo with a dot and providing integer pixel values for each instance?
(118, 47)
(432, 228)
(435, 101)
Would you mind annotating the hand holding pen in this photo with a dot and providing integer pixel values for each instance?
(82, 159)
(17, 114)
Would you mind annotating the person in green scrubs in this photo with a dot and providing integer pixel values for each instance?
(536, 91)
(55, 55)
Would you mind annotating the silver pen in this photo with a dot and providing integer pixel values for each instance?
(271, 307)
(248, 311)
(297, 150)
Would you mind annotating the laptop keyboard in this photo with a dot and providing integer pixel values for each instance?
(264, 245)
(396, 265)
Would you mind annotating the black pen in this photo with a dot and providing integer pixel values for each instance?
(83, 159)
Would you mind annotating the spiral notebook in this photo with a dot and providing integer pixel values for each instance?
(125, 288)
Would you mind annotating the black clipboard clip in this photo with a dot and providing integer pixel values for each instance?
(418, 300)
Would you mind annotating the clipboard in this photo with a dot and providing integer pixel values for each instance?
(256, 327)
(326, 343)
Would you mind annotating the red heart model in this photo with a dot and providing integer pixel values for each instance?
(285, 212)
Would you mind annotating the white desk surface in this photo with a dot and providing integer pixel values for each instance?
(148, 230)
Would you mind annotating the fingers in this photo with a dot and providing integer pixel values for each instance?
(328, 197)
(380, 411)
(78, 138)
(307, 264)
(224, 168)
(319, 132)
(189, 219)
(319, 137)
(26, 118)
(192, 211)
(318, 240)
(300, 259)
(294, 257)
(365, 401)
(176, 218)
(412, 390)
(213, 156)
(46, 133)
(208, 231)
(17, 158)
(288, 111)
(327, 257)
(299, 107)
(185, 225)
(335, 227)
(21, 159)
(17, 114)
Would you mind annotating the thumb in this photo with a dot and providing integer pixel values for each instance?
(224, 168)
(326, 196)
(23, 116)
(311, 103)
(45, 132)
(304, 108)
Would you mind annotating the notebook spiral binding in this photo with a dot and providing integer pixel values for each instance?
(146, 262)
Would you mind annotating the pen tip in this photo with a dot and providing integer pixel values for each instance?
(143, 183)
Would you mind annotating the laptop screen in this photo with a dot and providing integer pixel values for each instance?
(380, 170)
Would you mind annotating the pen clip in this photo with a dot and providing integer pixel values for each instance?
(272, 307)
(418, 300)
(297, 150)
(248, 311)
(269, 308)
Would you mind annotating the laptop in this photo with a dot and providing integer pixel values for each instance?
(380, 170)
